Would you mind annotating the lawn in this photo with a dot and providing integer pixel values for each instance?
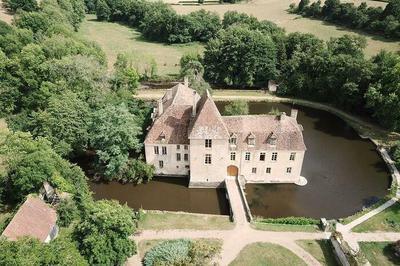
(387, 220)
(116, 38)
(155, 220)
(284, 227)
(319, 249)
(276, 11)
(379, 253)
(266, 254)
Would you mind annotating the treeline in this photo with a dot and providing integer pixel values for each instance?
(371, 19)
(60, 103)
(249, 53)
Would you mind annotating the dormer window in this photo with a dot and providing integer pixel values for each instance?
(162, 136)
(251, 140)
(271, 140)
(232, 139)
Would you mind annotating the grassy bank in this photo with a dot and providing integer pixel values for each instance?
(319, 249)
(379, 253)
(155, 220)
(284, 227)
(387, 220)
(266, 254)
(276, 11)
(116, 38)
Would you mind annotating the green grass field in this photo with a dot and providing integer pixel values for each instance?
(388, 220)
(379, 253)
(258, 254)
(319, 249)
(115, 38)
(275, 11)
(177, 220)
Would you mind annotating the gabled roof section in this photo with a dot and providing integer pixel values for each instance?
(34, 219)
(208, 122)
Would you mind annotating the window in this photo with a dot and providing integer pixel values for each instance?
(274, 156)
(207, 159)
(262, 156)
(178, 147)
(164, 150)
(233, 156)
(289, 170)
(156, 150)
(254, 170)
(186, 157)
(186, 147)
(292, 156)
(161, 164)
(268, 170)
(187, 166)
(247, 156)
(232, 140)
(208, 143)
(178, 157)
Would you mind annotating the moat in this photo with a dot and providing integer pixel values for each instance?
(344, 173)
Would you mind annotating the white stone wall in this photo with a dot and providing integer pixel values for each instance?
(171, 165)
(278, 168)
(202, 174)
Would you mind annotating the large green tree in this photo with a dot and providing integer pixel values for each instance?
(104, 232)
(241, 57)
(114, 132)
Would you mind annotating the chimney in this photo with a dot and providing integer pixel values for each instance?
(186, 81)
(160, 107)
(194, 106)
(293, 113)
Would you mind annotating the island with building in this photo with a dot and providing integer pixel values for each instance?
(189, 137)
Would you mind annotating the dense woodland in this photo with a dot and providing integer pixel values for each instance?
(61, 103)
(371, 19)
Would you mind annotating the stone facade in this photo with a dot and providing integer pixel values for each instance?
(189, 137)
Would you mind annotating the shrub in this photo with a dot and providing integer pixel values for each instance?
(395, 154)
(290, 220)
(67, 212)
(396, 248)
(137, 171)
(170, 252)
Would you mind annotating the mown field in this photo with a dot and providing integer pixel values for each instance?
(115, 38)
(276, 11)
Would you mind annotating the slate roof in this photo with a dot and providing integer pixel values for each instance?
(34, 218)
(286, 130)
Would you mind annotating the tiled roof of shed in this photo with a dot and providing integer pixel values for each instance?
(34, 218)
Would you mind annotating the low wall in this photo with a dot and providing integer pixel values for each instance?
(338, 251)
(246, 204)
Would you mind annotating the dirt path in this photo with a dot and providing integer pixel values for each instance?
(4, 14)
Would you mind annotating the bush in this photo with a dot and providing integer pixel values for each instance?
(137, 171)
(67, 212)
(289, 220)
(26, 5)
(170, 252)
(182, 252)
(396, 248)
(395, 154)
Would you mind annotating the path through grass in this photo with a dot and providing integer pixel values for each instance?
(387, 220)
(116, 38)
(266, 254)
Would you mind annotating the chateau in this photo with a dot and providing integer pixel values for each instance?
(189, 137)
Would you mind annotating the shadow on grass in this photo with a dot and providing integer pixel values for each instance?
(388, 252)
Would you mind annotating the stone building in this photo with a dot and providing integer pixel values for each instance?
(189, 137)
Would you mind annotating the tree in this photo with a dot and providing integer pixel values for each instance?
(240, 57)
(103, 11)
(67, 212)
(26, 5)
(104, 232)
(239, 107)
(114, 132)
(302, 5)
(64, 122)
(125, 75)
(396, 248)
